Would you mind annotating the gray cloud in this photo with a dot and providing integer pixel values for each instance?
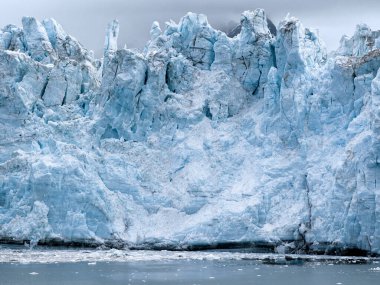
(87, 19)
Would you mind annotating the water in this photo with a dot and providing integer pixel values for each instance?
(145, 267)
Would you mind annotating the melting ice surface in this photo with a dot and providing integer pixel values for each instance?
(47, 266)
(198, 140)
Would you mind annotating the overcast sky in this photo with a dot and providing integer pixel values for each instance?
(87, 19)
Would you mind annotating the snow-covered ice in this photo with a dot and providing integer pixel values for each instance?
(199, 139)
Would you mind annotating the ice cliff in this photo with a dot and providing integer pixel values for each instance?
(198, 140)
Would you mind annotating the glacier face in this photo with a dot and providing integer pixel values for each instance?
(198, 140)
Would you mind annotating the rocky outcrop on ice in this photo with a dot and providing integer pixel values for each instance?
(199, 140)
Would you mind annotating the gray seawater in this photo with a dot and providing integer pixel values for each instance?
(188, 272)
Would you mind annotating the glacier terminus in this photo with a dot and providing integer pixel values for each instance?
(199, 140)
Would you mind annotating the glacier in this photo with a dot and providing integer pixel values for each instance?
(197, 141)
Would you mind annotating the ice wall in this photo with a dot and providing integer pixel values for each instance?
(198, 140)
